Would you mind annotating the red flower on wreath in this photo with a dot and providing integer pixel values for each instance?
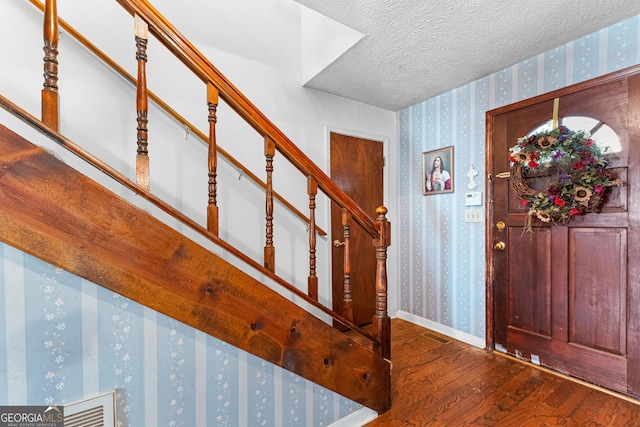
(554, 191)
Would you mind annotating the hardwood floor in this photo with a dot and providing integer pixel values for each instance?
(438, 381)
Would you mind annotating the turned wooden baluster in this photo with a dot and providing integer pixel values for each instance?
(212, 207)
(269, 249)
(50, 96)
(347, 301)
(142, 109)
(381, 321)
(312, 190)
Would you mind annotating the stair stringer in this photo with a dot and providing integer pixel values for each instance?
(53, 212)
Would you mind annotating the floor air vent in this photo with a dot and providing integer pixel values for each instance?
(437, 338)
(97, 411)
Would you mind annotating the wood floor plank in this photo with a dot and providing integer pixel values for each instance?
(463, 402)
(523, 415)
(498, 404)
(617, 412)
(567, 408)
(586, 410)
(438, 381)
(560, 395)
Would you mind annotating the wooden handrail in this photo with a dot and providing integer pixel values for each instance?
(165, 207)
(173, 40)
(176, 116)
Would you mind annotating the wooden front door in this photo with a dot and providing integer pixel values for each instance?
(566, 296)
(357, 168)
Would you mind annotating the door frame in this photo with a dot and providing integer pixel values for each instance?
(634, 135)
(388, 171)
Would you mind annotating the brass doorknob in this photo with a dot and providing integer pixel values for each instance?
(500, 246)
(337, 243)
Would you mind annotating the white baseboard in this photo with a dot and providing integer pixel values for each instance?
(442, 329)
(356, 419)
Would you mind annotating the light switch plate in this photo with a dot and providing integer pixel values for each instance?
(473, 215)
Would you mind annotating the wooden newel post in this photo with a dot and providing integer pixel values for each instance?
(269, 249)
(381, 320)
(212, 206)
(142, 108)
(50, 96)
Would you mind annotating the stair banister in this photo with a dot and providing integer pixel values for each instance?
(347, 300)
(170, 111)
(275, 141)
(312, 281)
(269, 249)
(201, 67)
(58, 214)
(50, 99)
(142, 104)
(381, 320)
(148, 19)
(141, 191)
(165, 207)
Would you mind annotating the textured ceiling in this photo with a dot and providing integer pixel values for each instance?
(414, 50)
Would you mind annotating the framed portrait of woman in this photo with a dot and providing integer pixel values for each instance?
(437, 171)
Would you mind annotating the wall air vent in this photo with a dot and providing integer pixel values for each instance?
(97, 411)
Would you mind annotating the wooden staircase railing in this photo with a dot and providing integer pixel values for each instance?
(50, 210)
(148, 20)
(189, 127)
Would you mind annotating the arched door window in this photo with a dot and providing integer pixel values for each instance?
(603, 134)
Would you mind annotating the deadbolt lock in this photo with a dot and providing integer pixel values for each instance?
(500, 225)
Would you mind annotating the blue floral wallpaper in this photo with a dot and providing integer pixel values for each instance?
(442, 257)
(63, 339)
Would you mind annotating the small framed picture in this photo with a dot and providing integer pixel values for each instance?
(437, 171)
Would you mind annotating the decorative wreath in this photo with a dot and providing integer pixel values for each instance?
(569, 170)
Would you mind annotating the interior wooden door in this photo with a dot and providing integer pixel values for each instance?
(357, 168)
(565, 296)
